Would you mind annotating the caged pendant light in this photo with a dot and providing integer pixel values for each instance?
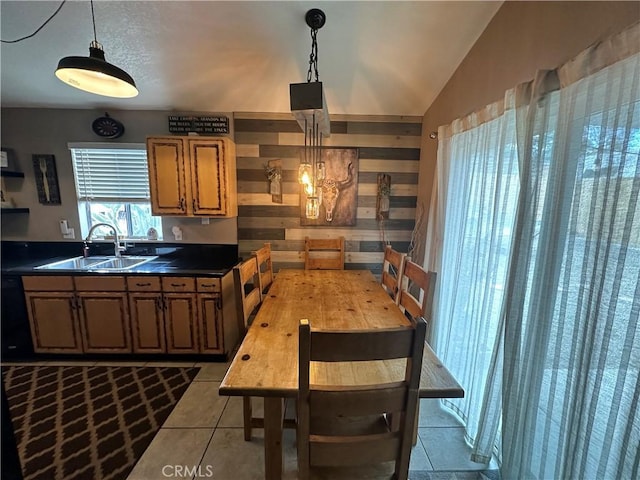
(309, 108)
(95, 75)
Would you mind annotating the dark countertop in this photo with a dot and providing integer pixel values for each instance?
(158, 266)
(211, 260)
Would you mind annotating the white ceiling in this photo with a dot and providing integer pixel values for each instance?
(378, 58)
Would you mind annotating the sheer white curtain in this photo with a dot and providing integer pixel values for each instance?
(478, 191)
(537, 308)
(572, 336)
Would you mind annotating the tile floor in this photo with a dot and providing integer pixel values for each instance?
(203, 438)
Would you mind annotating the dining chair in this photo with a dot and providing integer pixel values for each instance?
(351, 425)
(392, 268)
(324, 253)
(265, 267)
(416, 291)
(246, 278)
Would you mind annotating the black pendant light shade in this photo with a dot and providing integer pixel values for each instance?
(94, 74)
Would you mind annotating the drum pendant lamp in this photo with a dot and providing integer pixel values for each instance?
(95, 75)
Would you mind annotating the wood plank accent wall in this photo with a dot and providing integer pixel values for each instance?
(387, 144)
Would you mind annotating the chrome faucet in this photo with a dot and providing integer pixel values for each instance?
(118, 248)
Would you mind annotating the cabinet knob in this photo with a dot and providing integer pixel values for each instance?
(178, 284)
(182, 202)
(143, 284)
(193, 204)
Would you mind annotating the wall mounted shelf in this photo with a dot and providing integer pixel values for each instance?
(11, 173)
(14, 210)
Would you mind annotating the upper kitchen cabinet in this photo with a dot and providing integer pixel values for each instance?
(192, 176)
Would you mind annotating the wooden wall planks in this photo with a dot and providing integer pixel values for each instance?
(387, 144)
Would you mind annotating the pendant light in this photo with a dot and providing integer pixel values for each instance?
(95, 75)
(309, 108)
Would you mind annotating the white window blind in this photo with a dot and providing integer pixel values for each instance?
(110, 172)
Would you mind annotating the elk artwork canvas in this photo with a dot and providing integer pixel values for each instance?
(338, 192)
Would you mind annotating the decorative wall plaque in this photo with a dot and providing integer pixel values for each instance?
(211, 124)
(44, 169)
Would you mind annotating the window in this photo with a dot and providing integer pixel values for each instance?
(112, 185)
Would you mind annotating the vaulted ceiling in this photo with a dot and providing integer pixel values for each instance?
(378, 58)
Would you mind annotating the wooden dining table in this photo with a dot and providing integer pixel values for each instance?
(266, 364)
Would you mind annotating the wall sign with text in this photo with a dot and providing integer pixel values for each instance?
(185, 124)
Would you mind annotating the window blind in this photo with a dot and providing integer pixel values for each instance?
(109, 173)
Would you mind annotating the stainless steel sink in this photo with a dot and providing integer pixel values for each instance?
(97, 263)
(121, 263)
(77, 263)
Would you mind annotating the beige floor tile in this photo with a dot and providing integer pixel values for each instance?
(447, 449)
(229, 456)
(433, 414)
(172, 447)
(232, 415)
(200, 406)
(211, 371)
(419, 459)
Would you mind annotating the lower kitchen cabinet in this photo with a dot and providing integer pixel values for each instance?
(181, 322)
(147, 314)
(103, 311)
(53, 322)
(210, 316)
(147, 322)
(78, 314)
(180, 314)
(124, 314)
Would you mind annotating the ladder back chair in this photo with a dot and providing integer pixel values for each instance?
(246, 278)
(392, 268)
(324, 253)
(417, 289)
(342, 425)
(265, 267)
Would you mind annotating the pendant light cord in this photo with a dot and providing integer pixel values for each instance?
(93, 19)
(42, 26)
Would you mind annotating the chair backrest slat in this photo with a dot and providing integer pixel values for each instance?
(324, 253)
(248, 294)
(364, 400)
(392, 269)
(335, 451)
(382, 344)
(265, 267)
(417, 289)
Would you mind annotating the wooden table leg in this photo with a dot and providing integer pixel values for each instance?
(273, 411)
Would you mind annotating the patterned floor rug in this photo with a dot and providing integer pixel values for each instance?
(77, 423)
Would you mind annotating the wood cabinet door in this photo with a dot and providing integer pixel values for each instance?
(210, 316)
(168, 176)
(181, 322)
(208, 177)
(104, 322)
(147, 322)
(54, 322)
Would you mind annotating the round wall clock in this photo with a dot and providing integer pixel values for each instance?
(107, 127)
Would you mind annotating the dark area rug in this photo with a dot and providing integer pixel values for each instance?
(78, 423)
